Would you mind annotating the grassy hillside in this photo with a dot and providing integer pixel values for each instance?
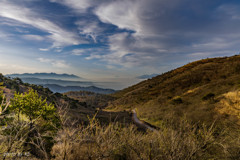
(177, 102)
(205, 90)
(82, 105)
(94, 100)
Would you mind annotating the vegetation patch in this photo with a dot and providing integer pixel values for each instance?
(209, 96)
(177, 100)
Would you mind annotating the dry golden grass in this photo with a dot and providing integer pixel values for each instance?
(156, 98)
(182, 142)
(230, 104)
(175, 140)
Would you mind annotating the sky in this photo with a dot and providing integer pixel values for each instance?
(114, 40)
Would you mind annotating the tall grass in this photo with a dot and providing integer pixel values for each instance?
(114, 141)
(173, 141)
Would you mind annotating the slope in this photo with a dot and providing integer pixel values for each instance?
(201, 91)
(79, 111)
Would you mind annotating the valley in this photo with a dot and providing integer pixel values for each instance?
(198, 102)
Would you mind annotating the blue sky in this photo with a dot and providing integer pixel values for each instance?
(114, 40)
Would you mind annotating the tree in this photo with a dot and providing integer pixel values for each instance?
(33, 106)
(41, 117)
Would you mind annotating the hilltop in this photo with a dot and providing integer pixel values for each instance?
(203, 91)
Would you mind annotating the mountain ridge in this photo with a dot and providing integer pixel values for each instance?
(63, 89)
(43, 75)
(182, 92)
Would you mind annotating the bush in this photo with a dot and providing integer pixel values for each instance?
(208, 96)
(177, 100)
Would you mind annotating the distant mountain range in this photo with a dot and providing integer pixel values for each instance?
(39, 81)
(63, 89)
(44, 76)
(60, 82)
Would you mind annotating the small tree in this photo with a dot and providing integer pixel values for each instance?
(42, 119)
(32, 106)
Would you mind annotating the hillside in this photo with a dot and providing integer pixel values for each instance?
(79, 126)
(205, 90)
(94, 100)
(78, 110)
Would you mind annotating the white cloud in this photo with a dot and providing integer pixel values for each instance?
(90, 28)
(94, 56)
(120, 13)
(78, 52)
(60, 37)
(44, 49)
(44, 60)
(54, 63)
(78, 5)
(90, 53)
(60, 64)
(33, 37)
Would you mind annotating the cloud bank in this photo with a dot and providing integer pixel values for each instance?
(129, 33)
(156, 31)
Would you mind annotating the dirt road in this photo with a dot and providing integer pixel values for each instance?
(140, 123)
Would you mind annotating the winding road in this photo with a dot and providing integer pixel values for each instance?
(140, 123)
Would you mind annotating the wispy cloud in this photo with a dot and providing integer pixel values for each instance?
(88, 51)
(33, 37)
(120, 13)
(79, 5)
(59, 36)
(54, 63)
(90, 29)
(44, 49)
(162, 32)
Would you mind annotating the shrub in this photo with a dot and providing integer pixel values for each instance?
(208, 96)
(177, 100)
